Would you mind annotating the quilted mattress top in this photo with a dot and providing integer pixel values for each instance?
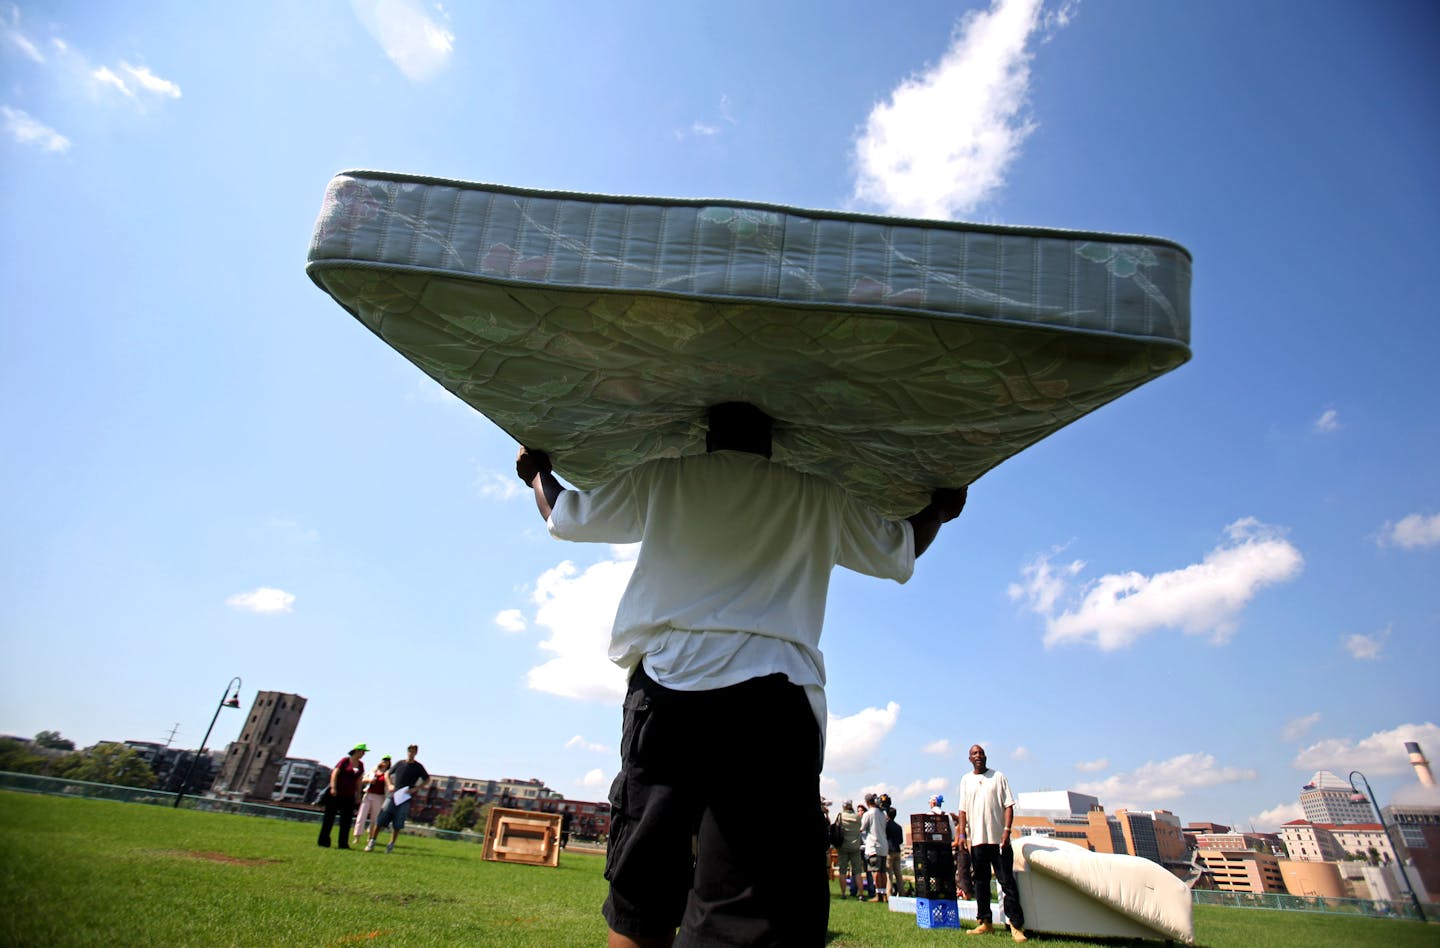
(895, 355)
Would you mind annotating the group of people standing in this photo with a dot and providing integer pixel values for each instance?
(382, 799)
(869, 841)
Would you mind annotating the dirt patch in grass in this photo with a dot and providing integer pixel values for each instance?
(216, 857)
(393, 898)
(362, 936)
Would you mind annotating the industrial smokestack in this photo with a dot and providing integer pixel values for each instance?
(1421, 765)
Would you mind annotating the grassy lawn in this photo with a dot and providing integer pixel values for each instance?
(94, 872)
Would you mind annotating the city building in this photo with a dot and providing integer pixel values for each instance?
(300, 780)
(588, 820)
(1417, 835)
(1313, 879)
(1242, 870)
(1154, 835)
(1328, 799)
(251, 767)
(1311, 842)
(1074, 817)
(1080, 819)
(172, 764)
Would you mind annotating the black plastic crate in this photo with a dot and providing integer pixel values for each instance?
(930, 828)
(934, 870)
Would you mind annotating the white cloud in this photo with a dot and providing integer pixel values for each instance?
(1158, 782)
(501, 486)
(1328, 421)
(28, 131)
(946, 137)
(594, 779)
(150, 82)
(1415, 532)
(10, 32)
(511, 621)
(1020, 753)
(1092, 766)
(264, 600)
(141, 80)
(709, 129)
(106, 77)
(1297, 728)
(1366, 647)
(1270, 821)
(417, 43)
(941, 747)
(1204, 598)
(578, 610)
(1381, 753)
(579, 743)
(923, 789)
(851, 742)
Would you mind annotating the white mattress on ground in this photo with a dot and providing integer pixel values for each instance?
(1065, 888)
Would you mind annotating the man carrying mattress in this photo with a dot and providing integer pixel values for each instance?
(719, 631)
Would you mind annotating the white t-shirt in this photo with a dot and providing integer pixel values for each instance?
(983, 799)
(872, 831)
(734, 566)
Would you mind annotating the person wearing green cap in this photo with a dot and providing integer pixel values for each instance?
(342, 796)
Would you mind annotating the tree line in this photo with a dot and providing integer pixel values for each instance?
(53, 756)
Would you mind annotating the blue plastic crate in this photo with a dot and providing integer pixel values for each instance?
(937, 913)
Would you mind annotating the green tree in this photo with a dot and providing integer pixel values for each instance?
(17, 757)
(107, 763)
(54, 741)
(462, 816)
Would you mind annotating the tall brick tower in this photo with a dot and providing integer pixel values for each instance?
(252, 764)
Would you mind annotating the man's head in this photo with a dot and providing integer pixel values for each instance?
(977, 758)
(358, 751)
(739, 426)
(849, 805)
(411, 751)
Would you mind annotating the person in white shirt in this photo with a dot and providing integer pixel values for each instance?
(718, 631)
(987, 811)
(877, 845)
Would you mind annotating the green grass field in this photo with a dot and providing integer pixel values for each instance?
(94, 872)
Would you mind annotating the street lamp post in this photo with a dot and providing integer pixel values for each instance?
(232, 702)
(1359, 797)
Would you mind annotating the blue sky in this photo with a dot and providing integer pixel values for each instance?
(1192, 599)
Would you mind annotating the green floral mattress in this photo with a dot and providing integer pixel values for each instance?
(895, 355)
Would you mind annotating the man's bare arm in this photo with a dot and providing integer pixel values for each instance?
(945, 505)
(533, 467)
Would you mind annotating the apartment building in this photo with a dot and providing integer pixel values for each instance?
(300, 780)
(1242, 870)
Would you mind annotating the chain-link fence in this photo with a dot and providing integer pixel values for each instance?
(56, 786)
(1374, 908)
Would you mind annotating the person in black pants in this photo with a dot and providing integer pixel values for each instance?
(342, 796)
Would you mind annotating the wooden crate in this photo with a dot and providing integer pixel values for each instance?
(522, 836)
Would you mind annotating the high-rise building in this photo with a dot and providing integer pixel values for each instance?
(252, 764)
(1328, 799)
